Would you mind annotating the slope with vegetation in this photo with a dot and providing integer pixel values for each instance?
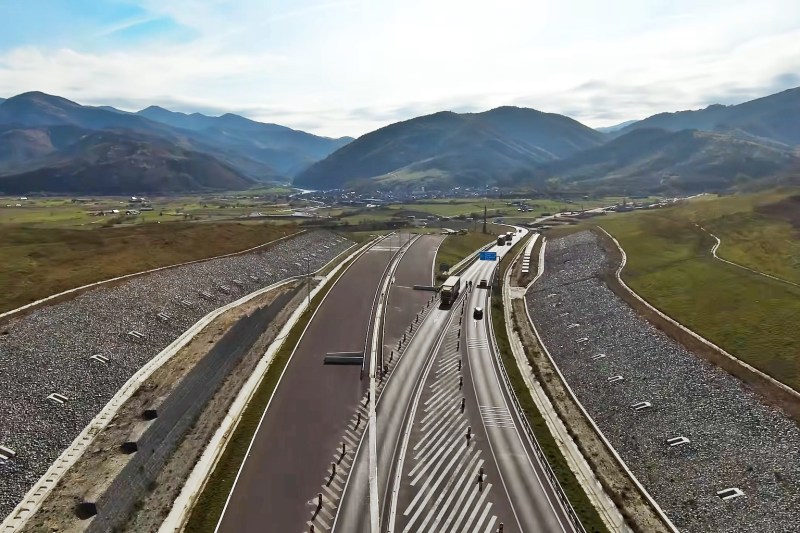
(749, 146)
(671, 266)
(41, 261)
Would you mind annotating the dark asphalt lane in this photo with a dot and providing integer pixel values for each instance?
(309, 410)
(416, 268)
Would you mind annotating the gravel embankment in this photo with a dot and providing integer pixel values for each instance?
(736, 440)
(49, 350)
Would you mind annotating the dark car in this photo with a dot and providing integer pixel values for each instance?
(483, 284)
(477, 314)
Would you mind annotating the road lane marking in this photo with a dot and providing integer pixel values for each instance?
(450, 444)
(496, 417)
(477, 527)
(477, 506)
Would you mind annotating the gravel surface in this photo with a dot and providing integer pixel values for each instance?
(736, 440)
(49, 350)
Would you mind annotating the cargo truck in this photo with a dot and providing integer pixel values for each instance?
(450, 290)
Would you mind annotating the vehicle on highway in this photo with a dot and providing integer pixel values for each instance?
(477, 314)
(450, 291)
(501, 240)
(483, 284)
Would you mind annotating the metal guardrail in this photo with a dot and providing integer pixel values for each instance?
(557, 488)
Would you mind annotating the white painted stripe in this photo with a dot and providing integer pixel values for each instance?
(429, 493)
(445, 383)
(449, 443)
(467, 475)
(467, 488)
(490, 526)
(477, 506)
(456, 431)
(442, 411)
(480, 521)
(465, 509)
(451, 480)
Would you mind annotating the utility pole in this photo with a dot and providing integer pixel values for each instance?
(484, 217)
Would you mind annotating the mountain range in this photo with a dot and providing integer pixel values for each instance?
(715, 148)
(469, 148)
(51, 144)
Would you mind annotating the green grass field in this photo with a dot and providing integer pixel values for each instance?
(466, 207)
(454, 248)
(41, 260)
(670, 265)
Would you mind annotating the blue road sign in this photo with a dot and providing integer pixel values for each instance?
(487, 256)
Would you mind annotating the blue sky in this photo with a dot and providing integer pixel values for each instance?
(345, 67)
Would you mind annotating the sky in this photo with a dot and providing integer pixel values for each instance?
(347, 67)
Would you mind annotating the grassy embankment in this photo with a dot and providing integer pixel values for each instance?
(208, 508)
(40, 261)
(752, 317)
(454, 248)
(580, 501)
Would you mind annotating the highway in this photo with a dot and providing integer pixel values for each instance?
(534, 503)
(309, 410)
(430, 476)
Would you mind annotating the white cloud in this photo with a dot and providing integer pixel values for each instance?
(347, 67)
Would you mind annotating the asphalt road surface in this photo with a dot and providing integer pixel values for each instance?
(427, 473)
(309, 409)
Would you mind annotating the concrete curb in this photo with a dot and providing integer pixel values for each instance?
(601, 501)
(785, 388)
(664, 518)
(77, 290)
(192, 488)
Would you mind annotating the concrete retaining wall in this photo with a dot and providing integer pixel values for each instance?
(177, 414)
